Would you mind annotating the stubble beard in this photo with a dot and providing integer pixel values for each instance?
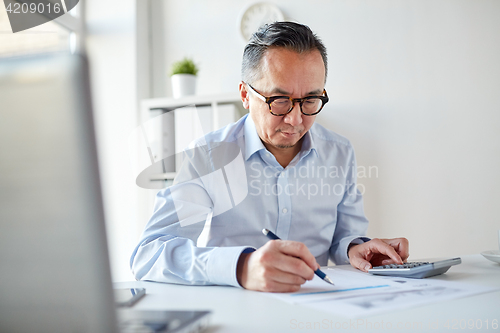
(285, 146)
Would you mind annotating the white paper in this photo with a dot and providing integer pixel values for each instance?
(357, 294)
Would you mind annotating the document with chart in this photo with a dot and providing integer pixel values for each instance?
(357, 294)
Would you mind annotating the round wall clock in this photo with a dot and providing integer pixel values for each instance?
(256, 15)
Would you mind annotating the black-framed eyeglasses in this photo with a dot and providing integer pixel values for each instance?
(282, 105)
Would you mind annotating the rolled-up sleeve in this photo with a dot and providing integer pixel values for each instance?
(351, 224)
(168, 251)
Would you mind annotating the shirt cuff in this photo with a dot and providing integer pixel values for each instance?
(222, 264)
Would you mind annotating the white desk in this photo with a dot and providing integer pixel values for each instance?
(237, 310)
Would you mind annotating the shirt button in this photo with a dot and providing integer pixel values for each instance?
(285, 210)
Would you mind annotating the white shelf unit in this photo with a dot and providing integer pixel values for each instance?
(169, 104)
(153, 107)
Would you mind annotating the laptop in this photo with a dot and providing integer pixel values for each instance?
(55, 273)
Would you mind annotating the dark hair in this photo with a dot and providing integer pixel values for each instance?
(292, 36)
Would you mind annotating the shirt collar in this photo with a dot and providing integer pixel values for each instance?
(308, 143)
(253, 143)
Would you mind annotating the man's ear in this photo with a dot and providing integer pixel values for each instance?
(244, 95)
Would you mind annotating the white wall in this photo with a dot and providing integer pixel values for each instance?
(413, 84)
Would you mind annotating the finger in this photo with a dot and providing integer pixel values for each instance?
(287, 278)
(359, 256)
(275, 280)
(387, 262)
(295, 266)
(400, 245)
(379, 246)
(403, 248)
(258, 272)
(360, 263)
(299, 250)
(276, 287)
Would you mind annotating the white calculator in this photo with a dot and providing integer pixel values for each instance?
(416, 270)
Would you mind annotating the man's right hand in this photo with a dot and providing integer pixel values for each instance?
(278, 266)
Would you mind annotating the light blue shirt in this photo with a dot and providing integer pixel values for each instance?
(230, 187)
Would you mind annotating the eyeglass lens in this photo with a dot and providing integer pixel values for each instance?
(283, 105)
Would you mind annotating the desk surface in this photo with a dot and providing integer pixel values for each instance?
(239, 310)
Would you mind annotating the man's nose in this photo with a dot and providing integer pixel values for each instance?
(294, 117)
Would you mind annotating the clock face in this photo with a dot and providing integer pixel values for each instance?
(256, 15)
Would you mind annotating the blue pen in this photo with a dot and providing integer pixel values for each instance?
(269, 234)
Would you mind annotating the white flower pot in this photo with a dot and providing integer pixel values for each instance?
(183, 85)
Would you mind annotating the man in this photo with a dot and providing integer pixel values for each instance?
(300, 177)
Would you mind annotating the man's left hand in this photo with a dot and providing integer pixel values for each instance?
(378, 252)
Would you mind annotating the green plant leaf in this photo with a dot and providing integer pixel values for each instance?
(184, 66)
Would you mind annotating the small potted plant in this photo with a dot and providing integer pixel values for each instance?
(183, 77)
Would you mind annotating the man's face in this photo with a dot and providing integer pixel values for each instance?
(285, 73)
